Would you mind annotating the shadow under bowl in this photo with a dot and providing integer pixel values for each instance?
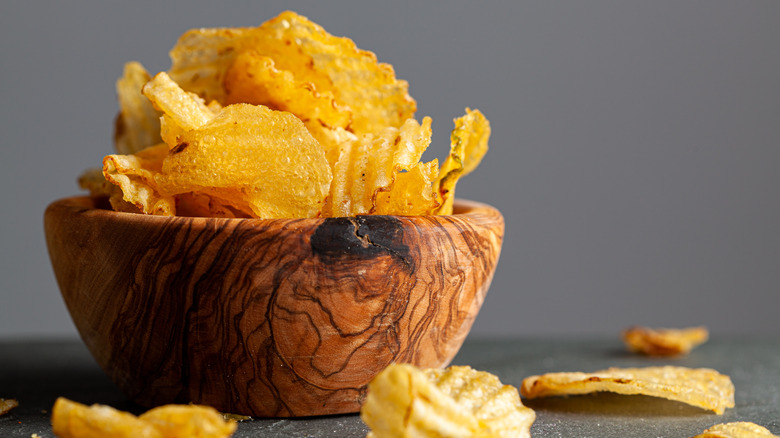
(268, 317)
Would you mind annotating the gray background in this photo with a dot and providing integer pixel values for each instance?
(635, 145)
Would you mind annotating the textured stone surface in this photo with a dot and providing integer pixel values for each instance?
(36, 372)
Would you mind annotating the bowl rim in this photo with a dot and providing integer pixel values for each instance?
(463, 208)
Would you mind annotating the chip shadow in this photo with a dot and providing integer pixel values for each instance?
(618, 405)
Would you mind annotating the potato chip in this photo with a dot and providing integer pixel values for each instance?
(368, 166)
(191, 421)
(457, 402)
(135, 176)
(251, 156)
(702, 387)
(377, 99)
(664, 341)
(185, 110)
(138, 123)
(70, 419)
(739, 429)
(6, 404)
(74, 420)
(468, 144)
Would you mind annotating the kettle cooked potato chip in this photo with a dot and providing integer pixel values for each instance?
(701, 387)
(405, 401)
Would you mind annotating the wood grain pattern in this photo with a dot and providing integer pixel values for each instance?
(269, 318)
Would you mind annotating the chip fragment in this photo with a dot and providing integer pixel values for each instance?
(663, 341)
(75, 420)
(6, 404)
(701, 387)
(740, 429)
(405, 401)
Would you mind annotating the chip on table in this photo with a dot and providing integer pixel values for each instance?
(406, 401)
(740, 429)
(664, 341)
(71, 419)
(701, 387)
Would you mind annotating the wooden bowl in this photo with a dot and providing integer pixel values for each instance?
(268, 318)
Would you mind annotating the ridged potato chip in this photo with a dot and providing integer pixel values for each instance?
(138, 123)
(405, 401)
(739, 429)
(369, 165)
(468, 145)
(701, 387)
(664, 341)
(75, 420)
(377, 99)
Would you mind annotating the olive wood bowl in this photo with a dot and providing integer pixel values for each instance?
(268, 317)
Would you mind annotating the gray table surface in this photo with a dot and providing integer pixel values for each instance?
(36, 372)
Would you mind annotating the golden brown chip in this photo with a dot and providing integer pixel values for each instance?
(138, 123)
(6, 404)
(70, 419)
(253, 157)
(457, 402)
(736, 430)
(74, 420)
(190, 421)
(701, 387)
(377, 99)
(469, 143)
(136, 176)
(664, 341)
